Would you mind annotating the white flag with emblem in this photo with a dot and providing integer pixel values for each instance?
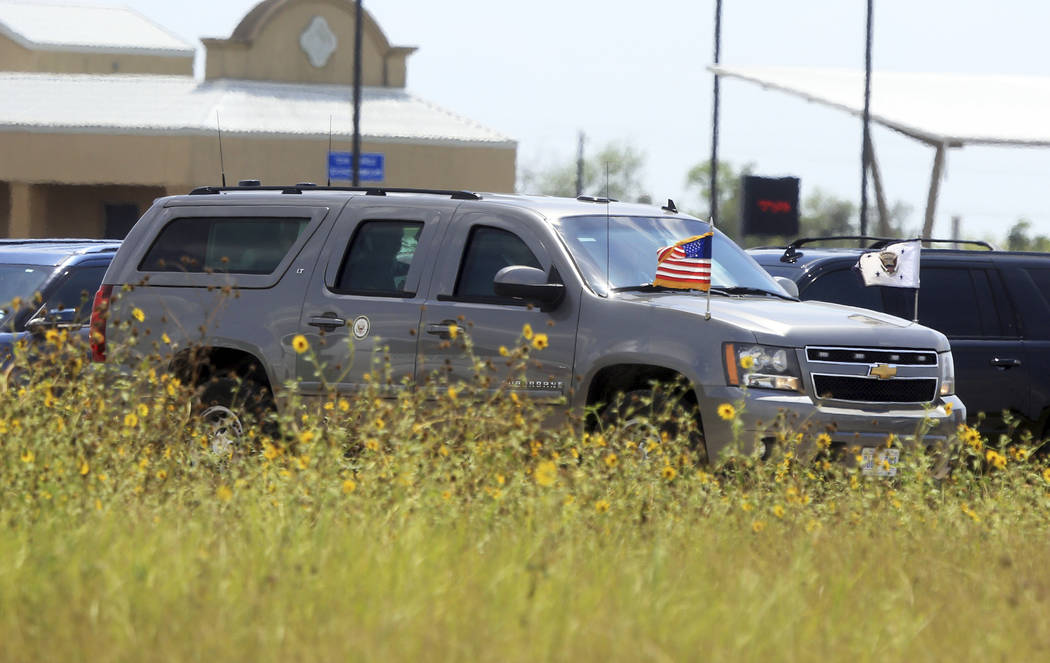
(896, 265)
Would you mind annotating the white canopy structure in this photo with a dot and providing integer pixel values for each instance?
(942, 110)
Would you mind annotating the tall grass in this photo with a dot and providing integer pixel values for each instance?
(444, 525)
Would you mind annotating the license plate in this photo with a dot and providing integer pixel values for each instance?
(879, 462)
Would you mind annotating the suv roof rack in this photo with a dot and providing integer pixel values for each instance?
(791, 252)
(306, 186)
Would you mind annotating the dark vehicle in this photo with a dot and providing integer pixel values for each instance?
(994, 307)
(49, 284)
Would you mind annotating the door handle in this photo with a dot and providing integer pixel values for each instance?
(328, 321)
(441, 329)
(1005, 363)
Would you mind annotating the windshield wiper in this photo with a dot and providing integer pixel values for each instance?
(745, 290)
(649, 287)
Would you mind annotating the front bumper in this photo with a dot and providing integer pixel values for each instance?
(767, 415)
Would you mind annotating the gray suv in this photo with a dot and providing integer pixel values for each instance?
(392, 270)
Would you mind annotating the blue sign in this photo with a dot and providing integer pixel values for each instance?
(371, 168)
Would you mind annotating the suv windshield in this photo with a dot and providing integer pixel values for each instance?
(620, 252)
(21, 281)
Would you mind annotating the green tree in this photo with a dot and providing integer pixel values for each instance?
(699, 177)
(625, 165)
(1018, 240)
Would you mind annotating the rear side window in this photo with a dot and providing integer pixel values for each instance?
(957, 302)
(488, 251)
(232, 245)
(378, 259)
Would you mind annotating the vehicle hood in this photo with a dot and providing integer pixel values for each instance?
(783, 322)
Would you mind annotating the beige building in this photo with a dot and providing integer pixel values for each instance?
(100, 113)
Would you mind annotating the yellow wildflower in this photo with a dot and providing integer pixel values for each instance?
(51, 336)
(539, 341)
(162, 475)
(612, 460)
(138, 314)
(224, 493)
(131, 420)
(446, 495)
(778, 511)
(947, 408)
(453, 331)
(84, 468)
(1046, 475)
(503, 352)
(143, 410)
(28, 456)
(747, 362)
(823, 441)
(452, 393)
(546, 473)
(270, 451)
(379, 423)
(306, 437)
(526, 331)
(601, 506)
(970, 512)
(757, 526)
(669, 473)
(349, 486)
(372, 444)
(167, 339)
(300, 344)
(726, 412)
(995, 459)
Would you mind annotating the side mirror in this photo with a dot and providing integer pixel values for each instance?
(528, 283)
(59, 318)
(789, 286)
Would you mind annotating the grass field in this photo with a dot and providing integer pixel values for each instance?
(383, 530)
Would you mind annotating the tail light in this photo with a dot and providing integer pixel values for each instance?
(99, 315)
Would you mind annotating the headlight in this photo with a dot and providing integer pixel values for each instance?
(947, 373)
(762, 366)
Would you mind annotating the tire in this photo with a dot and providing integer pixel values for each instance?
(228, 407)
(644, 415)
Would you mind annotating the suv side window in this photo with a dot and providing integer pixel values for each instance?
(378, 258)
(958, 302)
(77, 291)
(488, 251)
(844, 286)
(231, 245)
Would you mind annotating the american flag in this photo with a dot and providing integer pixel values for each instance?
(685, 264)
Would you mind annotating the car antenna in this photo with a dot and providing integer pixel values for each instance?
(608, 234)
(222, 166)
(329, 159)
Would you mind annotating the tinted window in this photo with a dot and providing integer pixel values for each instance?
(1041, 278)
(948, 301)
(844, 286)
(379, 257)
(227, 245)
(77, 291)
(488, 251)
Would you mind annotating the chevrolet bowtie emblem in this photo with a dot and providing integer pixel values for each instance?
(883, 371)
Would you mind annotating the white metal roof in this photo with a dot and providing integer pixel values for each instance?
(145, 104)
(955, 109)
(67, 27)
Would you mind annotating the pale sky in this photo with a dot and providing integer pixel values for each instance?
(540, 71)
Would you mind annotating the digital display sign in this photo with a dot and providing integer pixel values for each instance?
(769, 205)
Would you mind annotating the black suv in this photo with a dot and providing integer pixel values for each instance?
(52, 281)
(994, 307)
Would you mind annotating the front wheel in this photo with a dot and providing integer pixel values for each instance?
(646, 416)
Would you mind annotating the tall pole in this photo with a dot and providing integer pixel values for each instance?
(357, 95)
(864, 155)
(579, 165)
(714, 121)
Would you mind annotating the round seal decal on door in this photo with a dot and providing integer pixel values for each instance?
(361, 326)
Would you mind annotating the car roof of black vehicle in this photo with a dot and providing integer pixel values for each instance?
(53, 251)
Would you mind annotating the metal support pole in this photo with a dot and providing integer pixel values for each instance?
(880, 194)
(579, 165)
(867, 121)
(935, 183)
(357, 95)
(713, 207)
